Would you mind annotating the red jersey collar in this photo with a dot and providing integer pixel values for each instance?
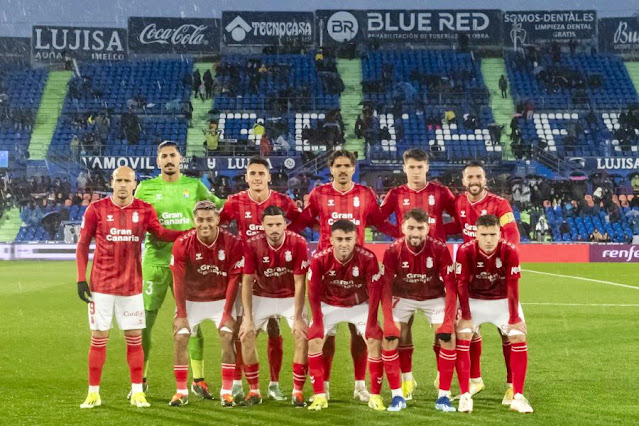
(214, 241)
(475, 202)
(281, 245)
(483, 253)
(248, 194)
(343, 192)
(121, 207)
(412, 252)
(347, 260)
(417, 191)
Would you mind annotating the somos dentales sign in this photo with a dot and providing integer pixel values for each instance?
(50, 44)
(174, 35)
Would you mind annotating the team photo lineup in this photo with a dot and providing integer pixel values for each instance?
(245, 281)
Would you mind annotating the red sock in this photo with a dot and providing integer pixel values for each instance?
(239, 362)
(393, 371)
(275, 352)
(299, 376)
(228, 373)
(135, 357)
(446, 366)
(328, 352)
(252, 373)
(406, 358)
(316, 372)
(97, 355)
(519, 364)
(359, 352)
(463, 364)
(506, 349)
(475, 358)
(376, 371)
(181, 373)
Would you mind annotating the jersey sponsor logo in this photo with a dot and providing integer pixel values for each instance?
(266, 259)
(431, 200)
(356, 201)
(405, 265)
(331, 203)
(221, 255)
(470, 230)
(429, 262)
(109, 218)
(450, 269)
(168, 218)
(305, 264)
(198, 256)
(515, 270)
(288, 256)
(239, 264)
(347, 284)
(247, 215)
(253, 229)
(276, 272)
(378, 275)
(458, 268)
(498, 262)
(355, 271)
(348, 216)
(133, 314)
(135, 217)
(122, 235)
(211, 269)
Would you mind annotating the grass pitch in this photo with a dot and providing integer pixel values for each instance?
(582, 359)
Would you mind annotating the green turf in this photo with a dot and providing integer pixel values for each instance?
(583, 363)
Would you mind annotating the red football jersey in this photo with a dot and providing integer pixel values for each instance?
(119, 234)
(201, 272)
(248, 212)
(274, 268)
(433, 198)
(482, 276)
(419, 275)
(468, 212)
(358, 204)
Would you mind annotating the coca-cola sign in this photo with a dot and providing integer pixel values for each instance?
(174, 35)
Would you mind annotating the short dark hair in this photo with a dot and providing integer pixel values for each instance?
(474, 163)
(416, 154)
(487, 220)
(205, 205)
(343, 225)
(419, 215)
(168, 143)
(256, 159)
(341, 153)
(273, 210)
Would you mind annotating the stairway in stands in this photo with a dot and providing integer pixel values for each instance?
(350, 70)
(47, 119)
(633, 71)
(503, 109)
(194, 137)
(10, 225)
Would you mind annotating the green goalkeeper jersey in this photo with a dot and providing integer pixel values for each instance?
(173, 202)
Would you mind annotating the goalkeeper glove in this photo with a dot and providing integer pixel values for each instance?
(83, 291)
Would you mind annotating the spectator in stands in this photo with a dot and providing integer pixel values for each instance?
(281, 144)
(202, 91)
(564, 227)
(541, 229)
(258, 128)
(81, 182)
(74, 148)
(265, 146)
(131, 127)
(634, 182)
(450, 117)
(102, 124)
(529, 110)
(598, 237)
(208, 83)
(503, 86)
(366, 124)
(31, 214)
(212, 135)
(197, 81)
(572, 45)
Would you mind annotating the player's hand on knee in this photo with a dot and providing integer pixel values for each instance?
(84, 292)
(246, 328)
(181, 326)
(300, 328)
(519, 326)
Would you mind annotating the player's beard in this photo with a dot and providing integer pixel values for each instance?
(169, 172)
(275, 239)
(471, 189)
(416, 242)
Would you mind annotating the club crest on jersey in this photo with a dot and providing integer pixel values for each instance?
(221, 255)
(405, 265)
(265, 259)
(288, 256)
(431, 200)
(109, 218)
(187, 194)
(429, 262)
(356, 201)
(483, 212)
(498, 262)
(247, 215)
(462, 213)
(355, 271)
(136, 217)
(198, 256)
(406, 202)
(331, 203)
(158, 196)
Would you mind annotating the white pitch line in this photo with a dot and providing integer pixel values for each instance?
(583, 304)
(583, 279)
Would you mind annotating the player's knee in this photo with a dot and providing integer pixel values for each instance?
(100, 334)
(273, 328)
(390, 345)
(248, 338)
(374, 344)
(516, 338)
(300, 342)
(226, 339)
(182, 340)
(450, 345)
(464, 335)
(315, 346)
